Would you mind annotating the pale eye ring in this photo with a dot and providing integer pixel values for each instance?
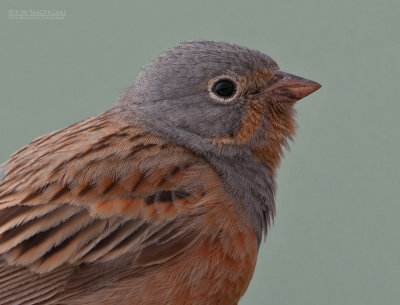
(223, 89)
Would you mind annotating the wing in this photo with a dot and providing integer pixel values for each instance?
(94, 193)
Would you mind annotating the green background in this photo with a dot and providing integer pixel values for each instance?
(336, 235)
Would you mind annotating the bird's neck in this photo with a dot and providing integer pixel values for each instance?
(281, 128)
(247, 164)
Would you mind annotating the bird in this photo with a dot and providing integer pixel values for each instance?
(163, 199)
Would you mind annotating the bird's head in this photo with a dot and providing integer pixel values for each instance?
(227, 94)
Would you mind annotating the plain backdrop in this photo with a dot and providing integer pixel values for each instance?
(336, 234)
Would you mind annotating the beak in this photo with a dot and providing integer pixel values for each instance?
(290, 88)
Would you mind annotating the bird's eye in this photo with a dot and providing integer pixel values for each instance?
(224, 88)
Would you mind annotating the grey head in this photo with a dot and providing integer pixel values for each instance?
(228, 104)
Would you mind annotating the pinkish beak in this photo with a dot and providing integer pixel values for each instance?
(290, 88)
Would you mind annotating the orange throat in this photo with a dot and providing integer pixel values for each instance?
(267, 127)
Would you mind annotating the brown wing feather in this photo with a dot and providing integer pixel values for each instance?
(93, 193)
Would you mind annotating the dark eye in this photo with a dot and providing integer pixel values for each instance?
(224, 88)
